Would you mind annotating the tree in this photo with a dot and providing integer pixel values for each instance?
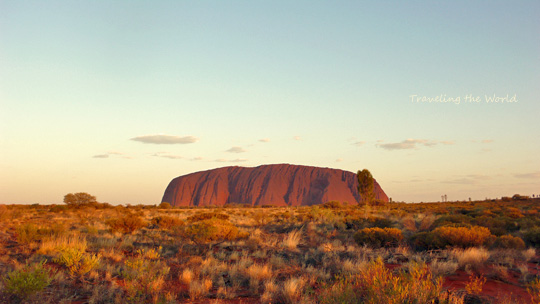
(79, 199)
(366, 186)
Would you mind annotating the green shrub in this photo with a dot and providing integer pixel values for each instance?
(497, 225)
(213, 229)
(167, 222)
(426, 241)
(509, 242)
(77, 261)
(378, 236)
(454, 220)
(533, 236)
(464, 237)
(27, 281)
(370, 222)
(127, 224)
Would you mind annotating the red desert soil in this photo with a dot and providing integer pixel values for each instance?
(493, 289)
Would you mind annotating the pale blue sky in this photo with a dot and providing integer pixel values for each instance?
(249, 83)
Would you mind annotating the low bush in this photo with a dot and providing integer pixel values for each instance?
(144, 275)
(206, 216)
(533, 236)
(497, 225)
(426, 241)
(455, 220)
(213, 229)
(27, 233)
(27, 281)
(370, 222)
(332, 205)
(464, 237)
(58, 208)
(127, 224)
(167, 222)
(509, 242)
(77, 261)
(378, 237)
(164, 205)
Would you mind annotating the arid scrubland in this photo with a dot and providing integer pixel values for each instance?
(481, 252)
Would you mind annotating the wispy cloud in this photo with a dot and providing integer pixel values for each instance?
(167, 155)
(461, 181)
(339, 160)
(487, 141)
(196, 158)
(533, 175)
(359, 143)
(412, 144)
(236, 150)
(264, 140)
(238, 160)
(101, 156)
(112, 153)
(165, 139)
(470, 179)
(297, 138)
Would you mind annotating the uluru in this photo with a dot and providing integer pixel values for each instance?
(279, 185)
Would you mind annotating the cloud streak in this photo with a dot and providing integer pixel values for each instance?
(101, 156)
(111, 153)
(236, 150)
(412, 144)
(238, 160)
(533, 175)
(167, 155)
(160, 139)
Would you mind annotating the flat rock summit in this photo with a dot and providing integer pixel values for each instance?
(280, 185)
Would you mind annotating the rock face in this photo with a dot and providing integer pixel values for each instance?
(278, 185)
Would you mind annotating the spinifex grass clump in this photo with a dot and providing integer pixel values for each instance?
(378, 284)
(77, 261)
(27, 281)
(144, 274)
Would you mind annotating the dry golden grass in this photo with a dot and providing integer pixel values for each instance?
(282, 255)
(474, 257)
(292, 239)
